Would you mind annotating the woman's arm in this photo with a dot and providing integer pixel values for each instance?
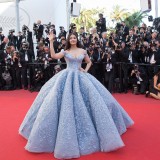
(155, 82)
(53, 54)
(88, 61)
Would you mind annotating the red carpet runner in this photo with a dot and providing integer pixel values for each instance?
(142, 140)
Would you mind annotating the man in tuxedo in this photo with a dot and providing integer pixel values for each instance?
(133, 54)
(12, 38)
(1, 38)
(82, 34)
(48, 68)
(19, 40)
(109, 58)
(7, 61)
(40, 52)
(125, 30)
(26, 57)
(154, 58)
(122, 55)
(131, 37)
(97, 67)
(62, 32)
(4, 43)
(153, 37)
(104, 40)
(144, 53)
(39, 32)
(101, 24)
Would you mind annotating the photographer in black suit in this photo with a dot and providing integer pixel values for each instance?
(101, 24)
(138, 79)
(16, 69)
(109, 58)
(1, 37)
(125, 29)
(62, 32)
(26, 56)
(19, 40)
(38, 30)
(12, 38)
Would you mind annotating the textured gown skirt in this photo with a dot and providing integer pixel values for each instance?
(73, 115)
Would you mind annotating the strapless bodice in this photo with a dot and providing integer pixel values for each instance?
(73, 63)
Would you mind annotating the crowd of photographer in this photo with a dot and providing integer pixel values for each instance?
(125, 59)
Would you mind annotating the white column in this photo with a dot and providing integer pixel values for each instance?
(17, 15)
(156, 8)
(68, 10)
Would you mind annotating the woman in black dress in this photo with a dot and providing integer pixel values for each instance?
(154, 89)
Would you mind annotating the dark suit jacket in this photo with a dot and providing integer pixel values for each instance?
(30, 55)
(19, 41)
(102, 23)
(126, 31)
(40, 32)
(2, 57)
(156, 56)
(12, 40)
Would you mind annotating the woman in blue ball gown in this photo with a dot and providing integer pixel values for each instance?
(74, 114)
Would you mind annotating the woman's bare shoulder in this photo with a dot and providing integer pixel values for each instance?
(83, 51)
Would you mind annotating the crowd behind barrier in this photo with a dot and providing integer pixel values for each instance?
(122, 60)
(38, 74)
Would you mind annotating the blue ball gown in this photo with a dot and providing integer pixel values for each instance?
(74, 115)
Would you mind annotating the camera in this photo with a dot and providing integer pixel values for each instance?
(60, 28)
(11, 31)
(25, 28)
(1, 29)
(97, 44)
(49, 28)
(119, 26)
(72, 27)
(8, 61)
(110, 38)
(35, 26)
(136, 69)
(119, 46)
(62, 32)
(25, 45)
(95, 38)
(98, 27)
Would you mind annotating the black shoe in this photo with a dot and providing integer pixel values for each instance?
(147, 93)
(25, 88)
(125, 91)
(18, 88)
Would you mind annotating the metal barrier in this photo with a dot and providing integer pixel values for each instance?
(120, 64)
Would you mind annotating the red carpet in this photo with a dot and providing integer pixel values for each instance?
(142, 140)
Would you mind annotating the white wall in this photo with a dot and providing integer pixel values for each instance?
(53, 11)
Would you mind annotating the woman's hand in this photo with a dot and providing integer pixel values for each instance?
(51, 36)
(158, 85)
(82, 70)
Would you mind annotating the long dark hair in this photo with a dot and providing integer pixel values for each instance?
(68, 45)
(157, 71)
